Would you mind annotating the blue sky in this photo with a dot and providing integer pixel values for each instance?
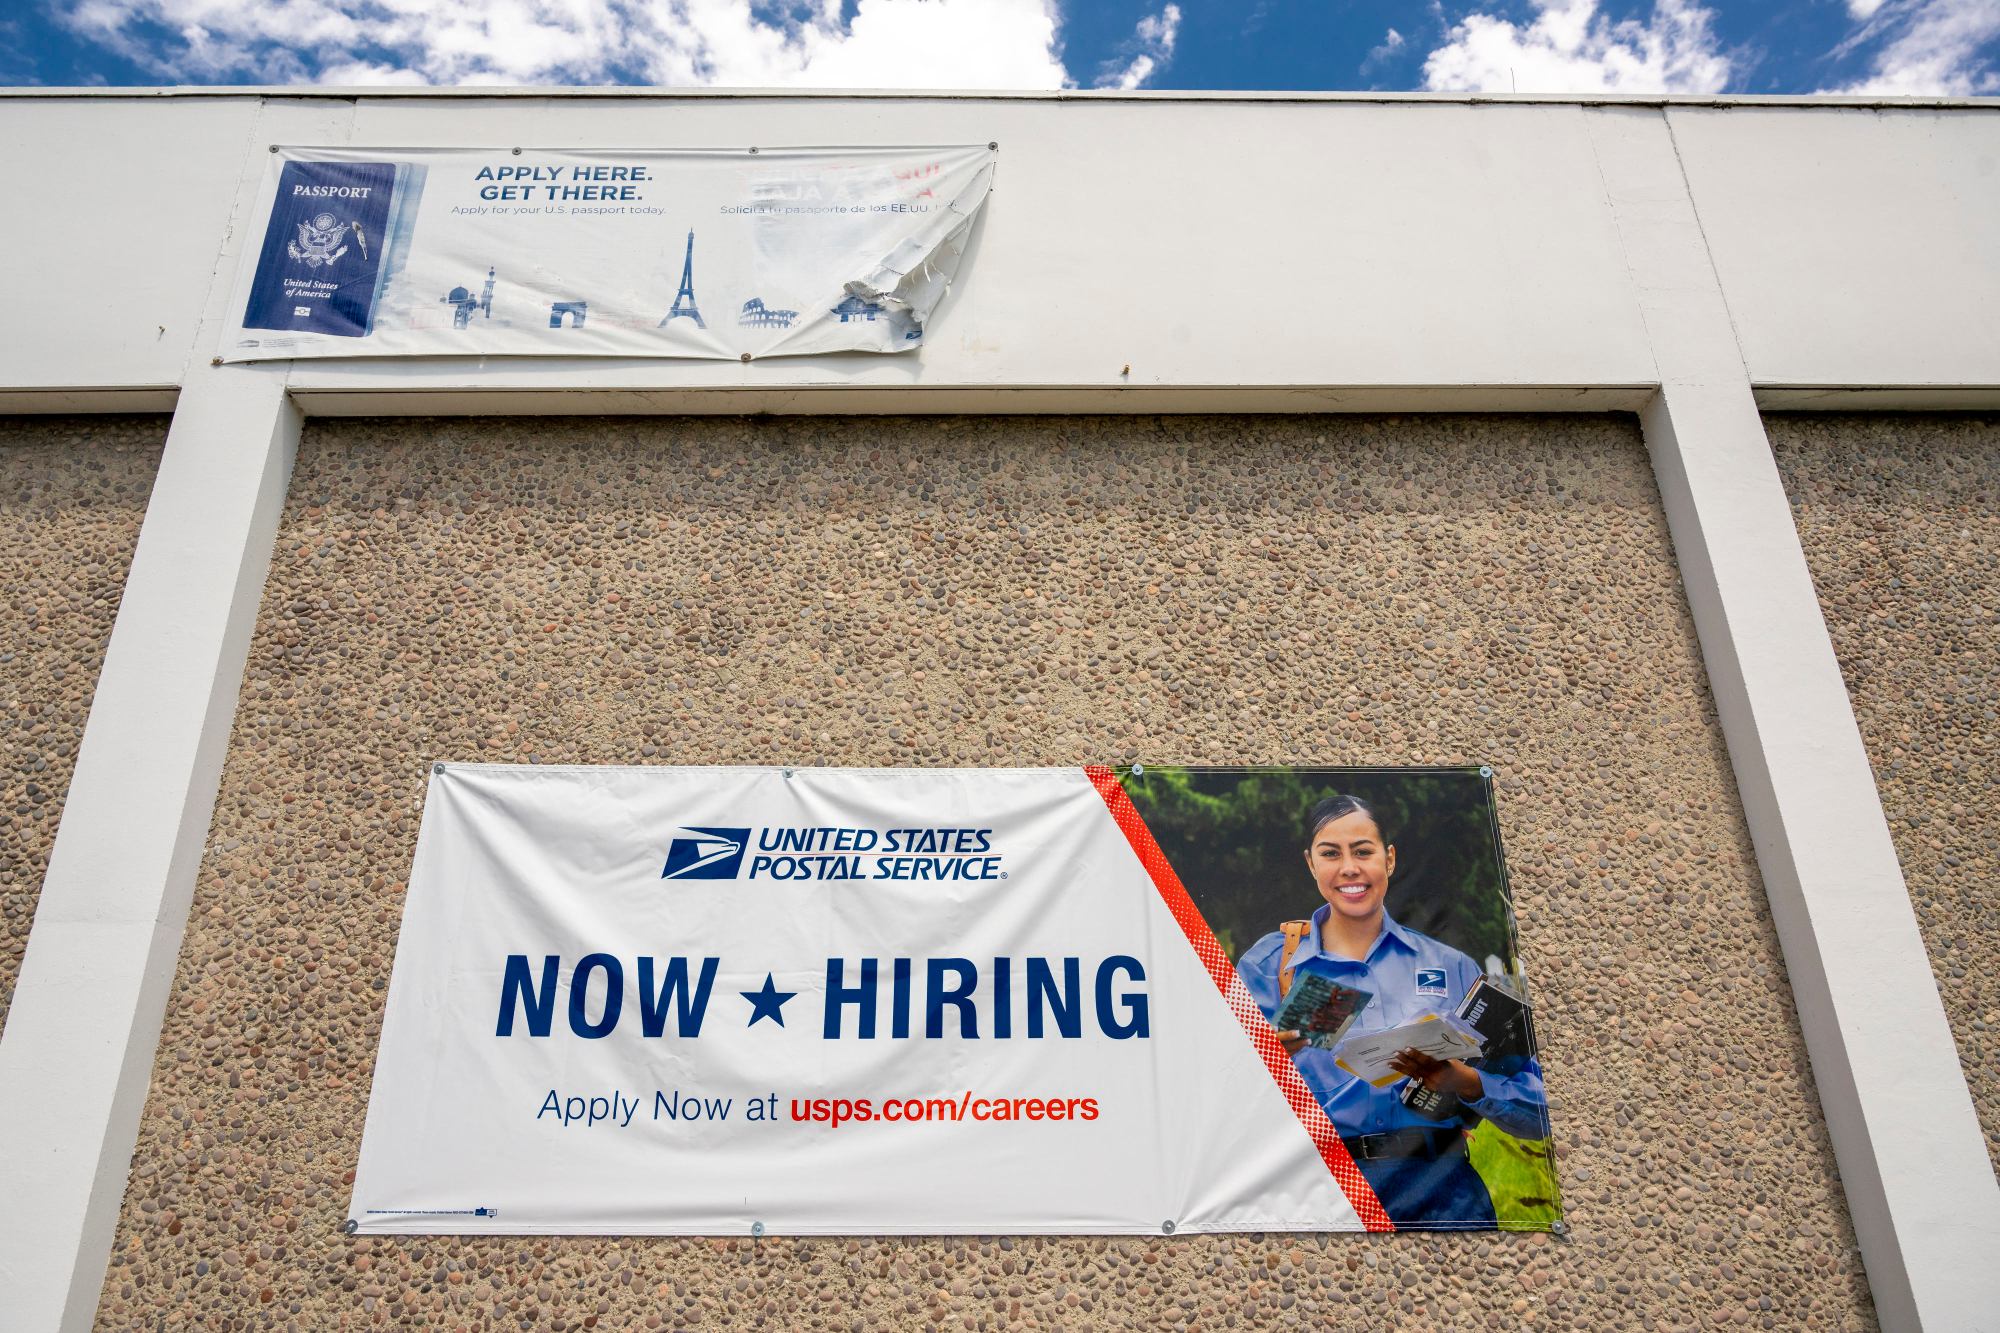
(1695, 46)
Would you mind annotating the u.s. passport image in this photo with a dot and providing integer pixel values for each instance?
(323, 248)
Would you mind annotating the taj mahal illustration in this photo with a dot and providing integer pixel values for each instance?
(857, 308)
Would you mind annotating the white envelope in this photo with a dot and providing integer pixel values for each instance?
(1366, 1055)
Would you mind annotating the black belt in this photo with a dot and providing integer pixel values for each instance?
(1428, 1144)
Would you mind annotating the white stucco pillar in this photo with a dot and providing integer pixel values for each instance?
(1919, 1185)
(77, 1055)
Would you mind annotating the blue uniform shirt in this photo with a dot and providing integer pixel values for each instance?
(1409, 975)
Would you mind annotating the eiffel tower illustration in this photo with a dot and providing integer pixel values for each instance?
(684, 299)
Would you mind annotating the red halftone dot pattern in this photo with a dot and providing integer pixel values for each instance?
(1221, 971)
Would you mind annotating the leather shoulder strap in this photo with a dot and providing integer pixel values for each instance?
(1294, 932)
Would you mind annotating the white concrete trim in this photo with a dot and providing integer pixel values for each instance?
(30, 402)
(637, 400)
(76, 1059)
(1878, 398)
(867, 400)
(551, 93)
(968, 400)
(1920, 1187)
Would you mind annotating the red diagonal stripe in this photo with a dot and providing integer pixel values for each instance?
(1223, 973)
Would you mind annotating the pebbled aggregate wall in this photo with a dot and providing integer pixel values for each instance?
(1900, 518)
(72, 493)
(992, 591)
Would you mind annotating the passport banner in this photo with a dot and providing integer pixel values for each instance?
(726, 253)
(322, 253)
(743, 1001)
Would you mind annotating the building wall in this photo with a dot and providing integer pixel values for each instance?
(1853, 247)
(989, 592)
(1900, 518)
(1366, 241)
(72, 493)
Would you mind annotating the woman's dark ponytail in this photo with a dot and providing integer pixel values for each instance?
(1339, 807)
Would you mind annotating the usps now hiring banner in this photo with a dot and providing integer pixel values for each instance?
(726, 253)
(748, 1000)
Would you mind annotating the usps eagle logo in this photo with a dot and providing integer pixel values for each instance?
(322, 240)
(706, 853)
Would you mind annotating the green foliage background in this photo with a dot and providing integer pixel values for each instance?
(1237, 839)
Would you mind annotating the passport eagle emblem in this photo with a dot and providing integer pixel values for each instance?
(321, 241)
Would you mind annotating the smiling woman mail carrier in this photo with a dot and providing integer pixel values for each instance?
(1417, 1167)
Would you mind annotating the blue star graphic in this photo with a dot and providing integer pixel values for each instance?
(768, 1002)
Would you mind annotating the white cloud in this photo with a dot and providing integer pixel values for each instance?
(1941, 48)
(1392, 45)
(367, 73)
(1571, 48)
(1146, 54)
(729, 43)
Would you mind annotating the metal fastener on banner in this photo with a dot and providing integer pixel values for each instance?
(756, 1228)
(1139, 771)
(517, 152)
(1559, 1227)
(350, 1226)
(788, 775)
(274, 148)
(753, 150)
(1167, 1227)
(438, 769)
(1485, 772)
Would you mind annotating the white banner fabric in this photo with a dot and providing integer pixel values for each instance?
(713, 1001)
(725, 253)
